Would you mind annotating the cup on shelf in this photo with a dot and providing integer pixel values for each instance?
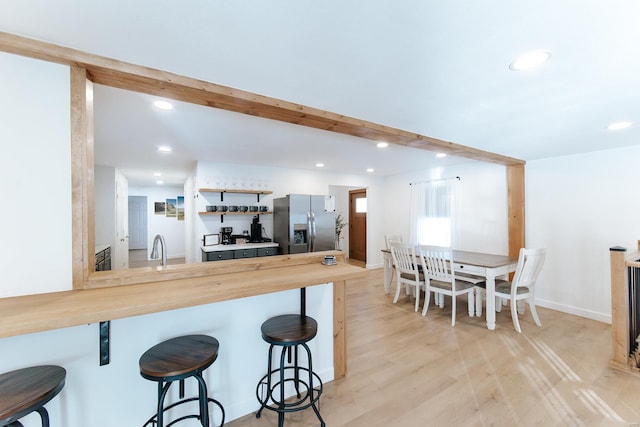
(253, 209)
(263, 208)
(211, 208)
(233, 208)
(221, 208)
(243, 208)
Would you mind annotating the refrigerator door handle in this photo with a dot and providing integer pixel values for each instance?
(309, 233)
(313, 232)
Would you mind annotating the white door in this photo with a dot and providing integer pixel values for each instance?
(121, 255)
(137, 222)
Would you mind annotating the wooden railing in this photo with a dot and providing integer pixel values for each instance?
(625, 309)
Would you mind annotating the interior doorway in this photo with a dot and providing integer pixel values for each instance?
(358, 224)
(138, 222)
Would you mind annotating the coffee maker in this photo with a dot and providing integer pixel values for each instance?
(256, 231)
(226, 233)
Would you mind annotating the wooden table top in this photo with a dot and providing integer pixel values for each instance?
(479, 259)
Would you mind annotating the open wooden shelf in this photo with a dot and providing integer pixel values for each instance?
(222, 190)
(235, 213)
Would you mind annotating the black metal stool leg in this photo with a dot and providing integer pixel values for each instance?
(44, 415)
(311, 389)
(203, 400)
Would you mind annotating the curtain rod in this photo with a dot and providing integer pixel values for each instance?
(434, 180)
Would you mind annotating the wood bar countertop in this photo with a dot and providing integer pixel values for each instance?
(42, 312)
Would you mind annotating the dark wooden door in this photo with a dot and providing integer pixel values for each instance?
(358, 224)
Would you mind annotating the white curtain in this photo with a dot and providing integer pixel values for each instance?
(433, 212)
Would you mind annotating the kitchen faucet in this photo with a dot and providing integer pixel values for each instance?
(154, 252)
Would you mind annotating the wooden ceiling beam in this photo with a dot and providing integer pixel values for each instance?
(111, 72)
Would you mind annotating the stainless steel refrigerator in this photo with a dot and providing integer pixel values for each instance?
(304, 223)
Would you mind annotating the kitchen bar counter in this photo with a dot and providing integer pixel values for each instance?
(219, 248)
(42, 312)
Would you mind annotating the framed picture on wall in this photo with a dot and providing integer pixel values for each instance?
(180, 208)
(171, 208)
(159, 208)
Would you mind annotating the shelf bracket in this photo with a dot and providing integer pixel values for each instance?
(258, 194)
(105, 332)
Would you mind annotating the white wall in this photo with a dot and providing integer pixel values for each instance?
(578, 207)
(169, 227)
(36, 177)
(481, 209)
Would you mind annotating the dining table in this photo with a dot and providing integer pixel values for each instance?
(481, 264)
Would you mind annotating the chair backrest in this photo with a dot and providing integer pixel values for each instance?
(392, 238)
(404, 258)
(436, 262)
(530, 263)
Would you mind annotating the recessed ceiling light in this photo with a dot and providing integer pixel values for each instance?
(165, 149)
(319, 165)
(441, 155)
(619, 125)
(530, 60)
(159, 182)
(382, 144)
(163, 105)
(370, 170)
(157, 174)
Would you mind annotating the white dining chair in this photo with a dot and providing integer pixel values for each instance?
(392, 238)
(407, 271)
(521, 288)
(440, 278)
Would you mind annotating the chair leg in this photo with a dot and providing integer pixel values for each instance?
(453, 310)
(427, 298)
(534, 313)
(471, 303)
(521, 304)
(479, 292)
(514, 316)
(498, 304)
(417, 290)
(398, 286)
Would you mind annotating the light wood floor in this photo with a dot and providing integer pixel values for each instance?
(408, 370)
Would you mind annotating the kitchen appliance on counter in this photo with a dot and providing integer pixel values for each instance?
(225, 235)
(304, 223)
(256, 231)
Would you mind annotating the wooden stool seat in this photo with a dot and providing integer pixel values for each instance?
(179, 357)
(175, 360)
(289, 329)
(27, 390)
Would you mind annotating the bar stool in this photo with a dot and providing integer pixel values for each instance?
(289, 331)
(27, 390)
(175, 360)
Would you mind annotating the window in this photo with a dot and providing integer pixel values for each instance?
(361, 205)
(432, 212)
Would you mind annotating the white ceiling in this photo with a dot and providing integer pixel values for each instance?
(438, 68)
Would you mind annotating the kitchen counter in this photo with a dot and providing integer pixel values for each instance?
(219, 248)
(226, 280)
